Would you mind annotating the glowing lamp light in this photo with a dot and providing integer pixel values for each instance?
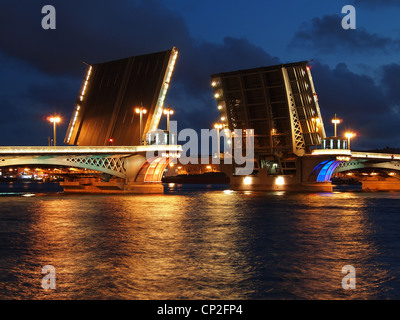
(218, 126)
(349, 135)
(214, 83)
(280, 181)
(140, 110)
(219, 107)
(54, 119)
(247, 180)
(217, 95)
(168, 111)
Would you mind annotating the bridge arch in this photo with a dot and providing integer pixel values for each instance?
(112, 165)
(323, 171)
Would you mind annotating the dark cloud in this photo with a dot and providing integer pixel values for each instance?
(365, 105)
(50, 61)
(327, 36)
(391, 84)
(42, 70)
(90, 30)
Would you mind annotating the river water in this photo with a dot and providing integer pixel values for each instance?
(199, 242)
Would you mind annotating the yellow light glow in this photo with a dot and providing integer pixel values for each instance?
(247, 180)
(214, 83)
(54, 119)
(349, 135)
(335, 121)
(141, 110)
(219, 107)
(217, 95)
(316, 120)
(280, 181)
(218, 126)
(168, 111)
(223, 118)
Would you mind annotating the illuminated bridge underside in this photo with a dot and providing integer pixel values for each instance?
(357, 165)
(112, 165)
(127, 163)
(324, 170)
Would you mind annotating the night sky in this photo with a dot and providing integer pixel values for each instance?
(356, 72)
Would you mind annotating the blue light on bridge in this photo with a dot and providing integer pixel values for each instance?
(327, 169)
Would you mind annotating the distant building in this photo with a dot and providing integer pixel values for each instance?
(203, 165)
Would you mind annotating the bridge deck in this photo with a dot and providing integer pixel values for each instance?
(356, 154)
(88, 150)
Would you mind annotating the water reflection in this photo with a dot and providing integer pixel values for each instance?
(329, 239)
(209, 244)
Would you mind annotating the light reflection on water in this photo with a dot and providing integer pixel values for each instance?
(200, 243)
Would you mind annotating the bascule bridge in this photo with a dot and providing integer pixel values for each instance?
(292, 151)
(107, 135)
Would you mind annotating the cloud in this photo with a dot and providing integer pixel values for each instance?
(327, 36)
(90, 30)
(48, 63)
(42, 70)
(365, 104)
(391, 84)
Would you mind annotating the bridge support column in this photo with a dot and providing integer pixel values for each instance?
(380, 184)
(141, 176)
(264, 182)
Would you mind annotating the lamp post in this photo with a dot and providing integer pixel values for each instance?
(54, 120)
(335, 122)
(168, 112)
(349, 135)
(218, 126)
(141, 111)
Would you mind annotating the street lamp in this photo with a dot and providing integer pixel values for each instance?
(335, 121)
(168, 111)
(54, 120)
(218, 126)
(141, 111)
(349, 135)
